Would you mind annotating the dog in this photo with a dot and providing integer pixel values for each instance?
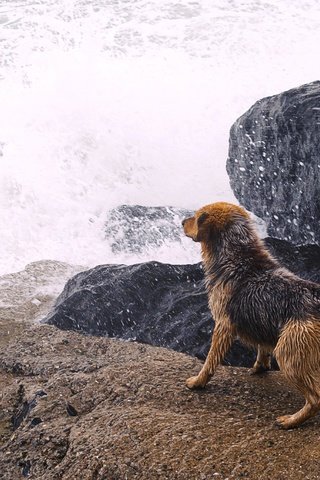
(255, 299)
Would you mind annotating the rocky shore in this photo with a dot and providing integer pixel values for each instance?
(96, 390)
(75, 406)
(81, 407)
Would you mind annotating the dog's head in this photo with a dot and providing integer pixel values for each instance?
(213, 219)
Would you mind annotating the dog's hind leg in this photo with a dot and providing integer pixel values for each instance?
(222, 338)
(263, 361)
(298, 356)
(310, 409)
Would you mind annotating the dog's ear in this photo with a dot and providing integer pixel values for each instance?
(202, 218)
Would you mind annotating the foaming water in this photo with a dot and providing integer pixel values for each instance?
(110, 103)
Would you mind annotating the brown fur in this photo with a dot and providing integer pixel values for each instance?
(230, 247)
(298, 356)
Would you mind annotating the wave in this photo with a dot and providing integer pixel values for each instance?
(108, 103)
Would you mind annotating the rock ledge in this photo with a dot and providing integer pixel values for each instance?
(75, 406)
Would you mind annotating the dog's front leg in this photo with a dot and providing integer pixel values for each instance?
(222, 338)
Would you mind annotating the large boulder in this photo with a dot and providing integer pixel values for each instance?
(302, 260)
(149, 302)
(154, 303)
(159, 304)
(274, 163)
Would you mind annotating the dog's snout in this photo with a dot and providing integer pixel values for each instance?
(183, 221)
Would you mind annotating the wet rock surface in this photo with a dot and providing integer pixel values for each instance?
(159, 304)
(79, 406)
(303, 260)
(274, 163)
(136, 420)
(154, 303)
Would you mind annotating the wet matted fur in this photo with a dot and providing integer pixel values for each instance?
(252, 297)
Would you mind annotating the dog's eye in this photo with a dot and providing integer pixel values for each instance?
(202, 218)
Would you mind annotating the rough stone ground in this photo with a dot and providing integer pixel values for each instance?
(80, 407)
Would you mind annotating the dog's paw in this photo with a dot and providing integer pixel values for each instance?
(285, 422)
(258, 370)
(195, 382)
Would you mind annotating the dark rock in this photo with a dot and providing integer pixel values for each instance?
(35, 421)
(24, 408)
(303, 261)
(274, 163)
(154, 303)
(150, 302)
(23, 412)
(20, 415)
(25, 467)
(135, 228)
(159, 304)
(41, 393)
(71, 410)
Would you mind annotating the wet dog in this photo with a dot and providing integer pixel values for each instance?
(255, 299)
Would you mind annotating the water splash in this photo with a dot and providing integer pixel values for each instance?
(109, 103)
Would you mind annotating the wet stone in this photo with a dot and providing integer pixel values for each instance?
(159, 304)
(274, 164)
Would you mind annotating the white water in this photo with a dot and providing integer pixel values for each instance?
(110, 102)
